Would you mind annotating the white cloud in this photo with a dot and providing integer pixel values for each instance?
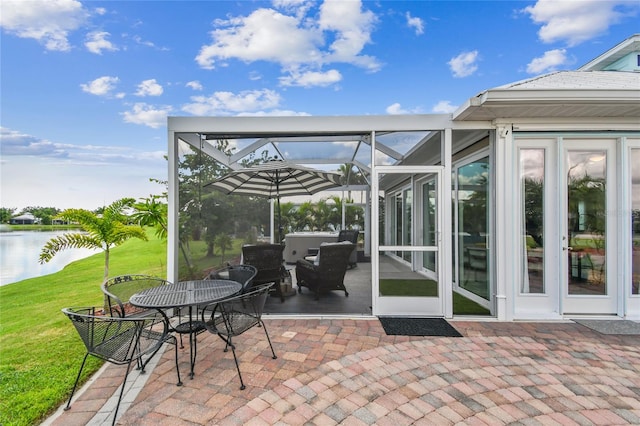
(229, 103)
(416, 23)
(195, 85)
(16, 143)
(148, 115)
(577, 21)
(444, 107)
(294, 38)
(296, 7)
(311, 78)
(149, 88)
(97, 42)
(102, 86)
(464, 64)
(396, 109)
(351, 27)
(550, 61)
(265, 35)
(47, 21)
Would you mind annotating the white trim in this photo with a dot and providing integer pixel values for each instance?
(631, 301)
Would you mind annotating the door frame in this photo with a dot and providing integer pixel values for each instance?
(408, 306)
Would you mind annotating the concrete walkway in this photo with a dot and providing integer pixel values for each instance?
(346, 371)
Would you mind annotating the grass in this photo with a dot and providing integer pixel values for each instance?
(40, 352)
(429, 288)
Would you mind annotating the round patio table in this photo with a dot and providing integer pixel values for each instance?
(186, 294)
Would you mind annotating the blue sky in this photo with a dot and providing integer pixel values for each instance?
(86, 86)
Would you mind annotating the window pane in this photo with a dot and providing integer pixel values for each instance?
(586, 222)
(429, 209)
(473, 227)
(532, 195)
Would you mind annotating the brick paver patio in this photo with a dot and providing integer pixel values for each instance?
(348, 371)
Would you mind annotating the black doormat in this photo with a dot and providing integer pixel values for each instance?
(402, 326)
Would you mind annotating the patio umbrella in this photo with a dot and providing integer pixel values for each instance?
(275, 179)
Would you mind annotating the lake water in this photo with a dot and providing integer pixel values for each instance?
(20, 251)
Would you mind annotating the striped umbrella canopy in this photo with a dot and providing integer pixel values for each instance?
(275, 179)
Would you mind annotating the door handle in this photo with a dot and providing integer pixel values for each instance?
(567, 248)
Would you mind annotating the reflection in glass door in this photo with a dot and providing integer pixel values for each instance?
(472, 229)
(429, 221)
(588, 229)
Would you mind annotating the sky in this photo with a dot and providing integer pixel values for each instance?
(86, 86)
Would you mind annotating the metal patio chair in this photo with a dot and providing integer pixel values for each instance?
(235, 315)
(244, 274)
(119, 289)
(119, 340)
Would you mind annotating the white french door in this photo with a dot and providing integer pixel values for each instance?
(588, 237)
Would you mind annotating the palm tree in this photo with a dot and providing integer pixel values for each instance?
(110, 229)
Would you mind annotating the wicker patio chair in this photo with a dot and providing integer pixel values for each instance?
(235, 315)
(243, 274)
(268, 260)
(119, 340)
(328, 274)
(350, 235)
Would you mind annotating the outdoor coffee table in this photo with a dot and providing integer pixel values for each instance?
(186, 294)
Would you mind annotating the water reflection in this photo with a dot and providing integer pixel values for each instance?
(20, 250)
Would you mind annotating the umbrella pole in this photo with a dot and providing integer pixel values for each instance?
(279, 221)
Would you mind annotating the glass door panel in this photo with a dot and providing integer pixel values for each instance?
(429, 221)
(532, 189)
(589, 231)
(635, 221)
(586, 225)
(472, 226)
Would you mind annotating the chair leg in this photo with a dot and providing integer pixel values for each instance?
(268, 339)
(75, 385)
(124, 382)
(175, 345)
(235, 358)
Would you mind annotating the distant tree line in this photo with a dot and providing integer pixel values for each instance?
(44, 215)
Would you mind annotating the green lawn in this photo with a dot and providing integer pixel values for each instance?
(429, 288)
(40, 352)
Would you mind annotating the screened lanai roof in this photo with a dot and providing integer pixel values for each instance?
(321, 142)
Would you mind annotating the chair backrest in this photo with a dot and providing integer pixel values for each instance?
(114, 339)
(348, 235)
(118, 290)
(243, 274)
(334, 260)
(242, 312)
(267, 258)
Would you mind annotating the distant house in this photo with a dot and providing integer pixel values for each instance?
(24, 219)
